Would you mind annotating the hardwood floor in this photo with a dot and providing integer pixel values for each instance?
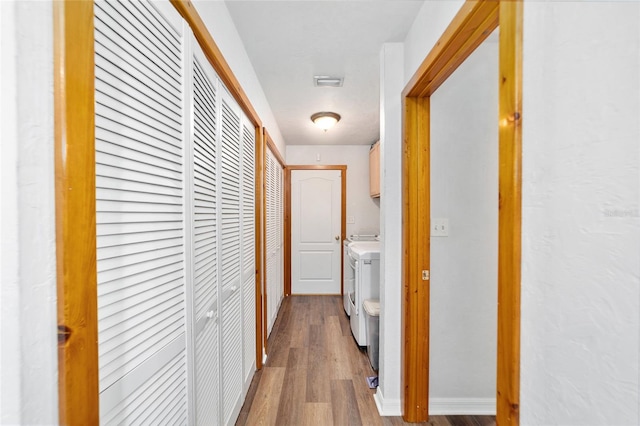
(316, 374)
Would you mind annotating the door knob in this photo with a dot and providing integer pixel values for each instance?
(337, 237)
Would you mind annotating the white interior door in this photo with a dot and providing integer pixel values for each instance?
(316, 217)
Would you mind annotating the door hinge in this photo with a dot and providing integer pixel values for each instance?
(425, 275)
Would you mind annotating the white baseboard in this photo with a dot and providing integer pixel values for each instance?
(467, 406)
(440, 406)
(387, 407)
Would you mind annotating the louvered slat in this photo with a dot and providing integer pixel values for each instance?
(148, 400)
(248, 208)
(269, 212)
(279, 203)
(114, 24)
(230, 196)
(231, 355)
(231, 315)
(248, 250)
(207, 383)
(112, 60)
(270, 243)
(139, 213)
(280, 237)
(269, 239)
(274, 273)
(205, 197)
(274, 213)
(205, 241)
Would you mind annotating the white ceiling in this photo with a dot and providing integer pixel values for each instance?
(289, 42)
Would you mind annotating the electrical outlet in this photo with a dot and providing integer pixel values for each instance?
(439, 227)
(351, 219)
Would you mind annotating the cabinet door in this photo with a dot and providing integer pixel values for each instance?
(274, 239)
(248, 252)
(204, 222)
(230, 256)
(140, 213)
(374, 170)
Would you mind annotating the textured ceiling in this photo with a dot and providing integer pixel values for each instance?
(289, 42)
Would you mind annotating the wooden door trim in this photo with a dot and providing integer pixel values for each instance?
(75, 199)
(287, 219)
(259, 245)
(263, 246)
(468, 29)
(510, 217)
(416, 256)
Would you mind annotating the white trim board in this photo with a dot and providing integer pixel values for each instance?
(440, 406)
(462, 406)
(387, 407)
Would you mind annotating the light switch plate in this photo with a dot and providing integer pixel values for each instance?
(439, 227)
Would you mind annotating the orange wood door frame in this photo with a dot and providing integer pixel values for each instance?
(77, 286)
(468, 29)
(287, 220)
(259, 245)
(75, 199)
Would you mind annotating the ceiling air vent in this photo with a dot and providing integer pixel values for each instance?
(326, 81)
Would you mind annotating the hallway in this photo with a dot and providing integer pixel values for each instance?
(315, 374)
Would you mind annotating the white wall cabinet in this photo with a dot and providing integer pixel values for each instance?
(175, 211)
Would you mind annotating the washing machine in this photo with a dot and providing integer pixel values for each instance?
(348, 275)
(363, 259)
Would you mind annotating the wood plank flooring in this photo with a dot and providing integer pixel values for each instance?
(316, 374)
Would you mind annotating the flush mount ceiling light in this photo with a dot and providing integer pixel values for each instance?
(325, 120)
(327, 81)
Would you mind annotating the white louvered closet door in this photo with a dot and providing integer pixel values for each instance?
(229, 252)
(280, 234)
(205, 153)
(274, 229)
(270, 243)
(248, 251)
(140, 213)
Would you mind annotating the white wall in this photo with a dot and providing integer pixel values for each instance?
(28, 354)
(430, 23)
(581, 213)
(581, 185)
(218, 20)
(388, 394)
(398, 63)
(364, 209)
(464, 265)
